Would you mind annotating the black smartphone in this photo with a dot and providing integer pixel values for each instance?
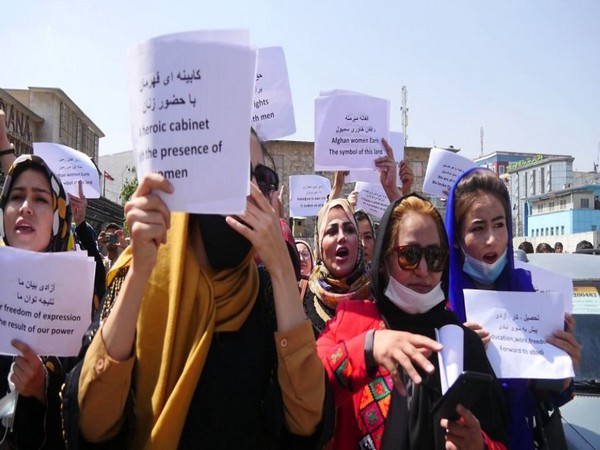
(468, 388)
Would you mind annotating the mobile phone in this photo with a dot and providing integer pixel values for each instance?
(468, 388)
(110, 239)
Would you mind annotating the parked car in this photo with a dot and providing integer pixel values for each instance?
(581, 416)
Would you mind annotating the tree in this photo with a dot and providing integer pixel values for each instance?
(129, 186)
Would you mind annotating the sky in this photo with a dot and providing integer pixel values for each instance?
(527, 71)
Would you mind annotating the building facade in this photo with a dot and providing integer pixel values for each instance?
(289, 157)
(504, 162)
(534, 176)
(568, 211)
(48, 115)
(297, 158)
(40, 114)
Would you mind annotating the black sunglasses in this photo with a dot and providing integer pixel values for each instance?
(409, 257)
(266, 178)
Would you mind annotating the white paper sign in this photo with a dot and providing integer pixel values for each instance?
(443, 168)
(70, 166)
(308, 193)
(547, 281)
(190, 103)
(372, 176)
(519, 323)
(371, 198)
(273, 115)
(46, 300)
(451, 357)
(348, 131)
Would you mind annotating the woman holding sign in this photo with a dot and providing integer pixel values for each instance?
(479, 227)
(213, 351)
(381, 356)
(37, 217)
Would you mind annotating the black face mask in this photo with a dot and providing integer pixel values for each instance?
(224, 246)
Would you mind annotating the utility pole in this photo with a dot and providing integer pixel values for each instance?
(481, 140)
(404, 110)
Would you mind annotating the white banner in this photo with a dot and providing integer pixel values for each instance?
(519, 323)
(547, 281)
(371, 198)
(348, 131)
(46, 300)
(190, 104)
(443, 168)
(70, 166)
(396, 141)
(308, 193)
(273, 115)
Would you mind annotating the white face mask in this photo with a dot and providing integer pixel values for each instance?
(413, 302)
(483, 272)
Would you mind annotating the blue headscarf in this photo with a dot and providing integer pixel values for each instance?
(510, 279)
(519, 398)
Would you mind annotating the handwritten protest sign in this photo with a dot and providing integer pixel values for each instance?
(348, 131)
(190, 103)
(71, 166)
(396, 141)
(519, 323)
(308, 193)
(443, 168)
(371, 198)
(273, 115)
(46, 300)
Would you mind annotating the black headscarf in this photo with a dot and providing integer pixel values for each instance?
(423, 429)
(391, 314)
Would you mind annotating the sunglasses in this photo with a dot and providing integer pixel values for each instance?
(409, 257)
(266, 178)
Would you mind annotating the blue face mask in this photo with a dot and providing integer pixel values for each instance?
(483, 272)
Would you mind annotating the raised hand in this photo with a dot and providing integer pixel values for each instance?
(260, 225)
(148, 219)
(406, 176)
(78, 205)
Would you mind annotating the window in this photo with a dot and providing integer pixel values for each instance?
(562, 229)
(593, 227)
(502, 170)
(562, 204)
(585, 203)
(541, 208)
(551, 206)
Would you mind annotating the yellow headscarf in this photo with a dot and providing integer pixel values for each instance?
(183, 305)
